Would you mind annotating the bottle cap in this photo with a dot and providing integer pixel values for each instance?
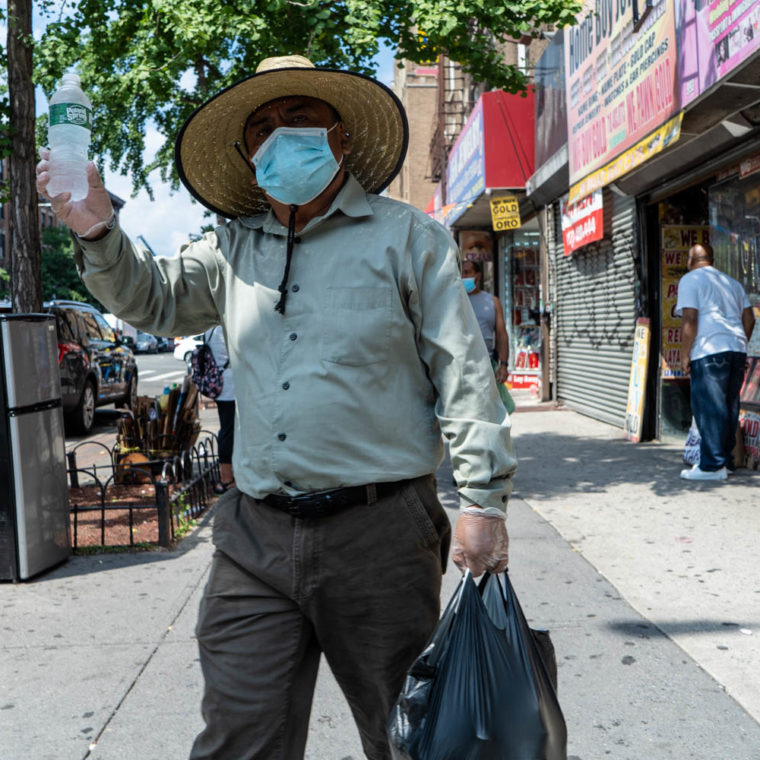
(71, 78)
(166, 389)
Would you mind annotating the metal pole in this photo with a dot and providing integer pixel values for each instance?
(164, 513)
(73, 474)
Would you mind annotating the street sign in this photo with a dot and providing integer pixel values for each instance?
(505, 213)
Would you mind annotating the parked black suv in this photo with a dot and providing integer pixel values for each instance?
(97, 368)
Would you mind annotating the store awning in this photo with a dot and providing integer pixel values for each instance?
(494, 151)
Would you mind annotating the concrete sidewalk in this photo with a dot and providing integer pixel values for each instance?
(683, 554)
(646, 582)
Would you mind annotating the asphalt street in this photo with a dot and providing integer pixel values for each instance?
(647, 584)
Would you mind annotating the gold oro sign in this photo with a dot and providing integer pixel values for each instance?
(505, 213)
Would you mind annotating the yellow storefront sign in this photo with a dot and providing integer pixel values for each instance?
(505, 213)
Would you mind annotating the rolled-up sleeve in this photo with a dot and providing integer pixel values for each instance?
(167, 296)
(469, 410)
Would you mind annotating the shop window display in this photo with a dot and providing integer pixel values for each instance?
(524, 311)
(725, 214)
(683, 222)
(735, 227)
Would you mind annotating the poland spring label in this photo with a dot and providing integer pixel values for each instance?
(71, 113)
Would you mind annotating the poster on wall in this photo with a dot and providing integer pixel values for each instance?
(750, 422)
(476, 245)
(582, 222)
(713, 39)
(637, 383)
(676, 241)
(750, 393)
(620, 84)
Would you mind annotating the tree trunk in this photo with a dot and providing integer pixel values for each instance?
(26, 281)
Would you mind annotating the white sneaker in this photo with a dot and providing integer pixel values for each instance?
(696, 474)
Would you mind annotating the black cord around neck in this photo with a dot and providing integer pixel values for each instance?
(283, 289)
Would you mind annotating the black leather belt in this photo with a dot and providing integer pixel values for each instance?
(329, 502)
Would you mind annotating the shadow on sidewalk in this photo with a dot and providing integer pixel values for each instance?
(550, 464)
(636, 629)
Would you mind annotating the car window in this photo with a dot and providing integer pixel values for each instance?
(105, 329)
(67, 325)
(91, 326)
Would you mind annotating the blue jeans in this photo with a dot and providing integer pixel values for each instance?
(716, 382)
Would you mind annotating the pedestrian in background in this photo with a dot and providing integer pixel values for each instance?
(225, 407)
(492, 326)
(717, 323)
(350, 339)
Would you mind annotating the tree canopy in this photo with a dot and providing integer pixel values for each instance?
(155, 61)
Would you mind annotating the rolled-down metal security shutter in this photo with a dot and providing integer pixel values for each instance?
(595, 315)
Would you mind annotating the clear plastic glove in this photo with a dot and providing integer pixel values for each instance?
(87, 217)
(481, 543)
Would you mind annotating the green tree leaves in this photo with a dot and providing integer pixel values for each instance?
(149, 62)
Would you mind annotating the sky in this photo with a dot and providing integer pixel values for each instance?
(170, 218)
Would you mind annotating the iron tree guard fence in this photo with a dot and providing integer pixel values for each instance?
(182, 488)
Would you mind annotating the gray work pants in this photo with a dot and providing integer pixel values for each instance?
(361, 586)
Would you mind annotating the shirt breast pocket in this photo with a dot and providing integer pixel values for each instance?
(356, 326)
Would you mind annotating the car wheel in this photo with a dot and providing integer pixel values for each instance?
(130, 399)
(189, 361)
(83, 417)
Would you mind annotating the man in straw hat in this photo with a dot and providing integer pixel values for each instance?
(349, 335)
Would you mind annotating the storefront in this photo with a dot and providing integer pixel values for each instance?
(704, 190)
(491, 159)
(523, 305)
(662, 115)
(721, 209)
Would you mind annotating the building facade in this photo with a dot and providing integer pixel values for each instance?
(644, 135)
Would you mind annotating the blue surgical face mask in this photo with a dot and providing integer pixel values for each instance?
(469, 283)
(295, 165)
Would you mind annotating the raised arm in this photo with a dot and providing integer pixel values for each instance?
(168, 296)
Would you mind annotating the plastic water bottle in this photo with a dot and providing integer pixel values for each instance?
(70, 122)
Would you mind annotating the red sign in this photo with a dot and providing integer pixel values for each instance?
(582, 222)
(749, 166)
(524, 381)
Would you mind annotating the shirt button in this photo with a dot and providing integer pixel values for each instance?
(504, 499)
(292, 336)
(282, 436)
(285, 385)
(297, 239)
(295, 288)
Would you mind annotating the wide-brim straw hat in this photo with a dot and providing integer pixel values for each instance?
(211, 168)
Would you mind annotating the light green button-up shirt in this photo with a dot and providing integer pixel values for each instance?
(378, 352)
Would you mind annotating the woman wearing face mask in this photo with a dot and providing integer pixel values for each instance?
(492, 326)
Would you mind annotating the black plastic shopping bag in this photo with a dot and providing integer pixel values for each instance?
(481, 689)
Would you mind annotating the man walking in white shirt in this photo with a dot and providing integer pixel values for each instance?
(717, 323)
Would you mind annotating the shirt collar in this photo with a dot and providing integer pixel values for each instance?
(351, 200)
